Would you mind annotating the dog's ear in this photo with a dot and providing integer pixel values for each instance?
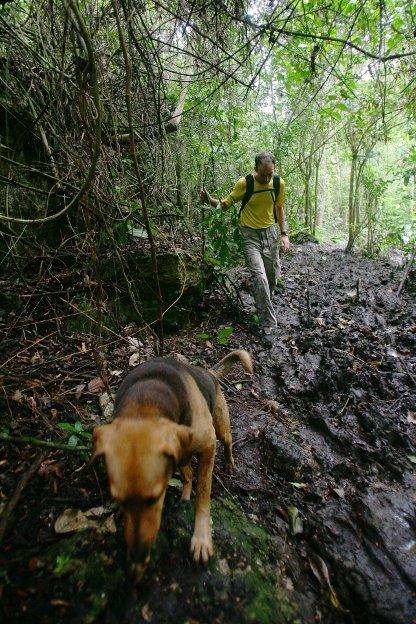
(179, 442)
(100, 437)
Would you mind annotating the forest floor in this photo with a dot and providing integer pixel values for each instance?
(317, 523)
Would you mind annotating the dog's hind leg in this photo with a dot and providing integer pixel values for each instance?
(186, 472)
(222, 426)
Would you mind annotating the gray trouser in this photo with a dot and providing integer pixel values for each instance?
(261, 251)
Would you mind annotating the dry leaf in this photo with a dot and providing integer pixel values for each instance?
(320, 570)
(272, 406)
(77, 520)
(78, 390)
(95, 385)
(18, 396)
(134, 360)
(411, 417)
(106, 404)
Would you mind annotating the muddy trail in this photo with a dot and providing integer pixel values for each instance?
(317, 523)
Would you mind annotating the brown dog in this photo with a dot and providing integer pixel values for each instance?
(166, 412)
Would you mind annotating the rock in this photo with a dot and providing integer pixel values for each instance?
(286, 455)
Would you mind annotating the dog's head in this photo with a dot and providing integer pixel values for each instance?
(140, 456)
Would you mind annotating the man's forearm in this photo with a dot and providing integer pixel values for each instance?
(281, 219)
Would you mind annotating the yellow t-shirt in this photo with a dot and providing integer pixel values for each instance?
(258, 211)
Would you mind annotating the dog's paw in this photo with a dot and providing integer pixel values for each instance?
(229, 466)
(201, 549)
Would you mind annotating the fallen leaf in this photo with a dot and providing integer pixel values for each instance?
(134, 344)
(176, 483)
(50, 467)
(320, 570)
(411, 417)
(36, 358)
(116, 373)
(146, 613)
(134, 360)
(106, 404)
(78, 390)
(77, 520)
(295, 520)
(95, 385)
(299, 486)
(272, 406)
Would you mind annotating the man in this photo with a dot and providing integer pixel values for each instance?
(259, 234)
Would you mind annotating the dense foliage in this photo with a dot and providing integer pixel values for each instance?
(114, 112)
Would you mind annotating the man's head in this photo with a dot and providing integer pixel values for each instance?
(264, 167)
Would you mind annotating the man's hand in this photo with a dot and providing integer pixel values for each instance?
(285, 242)
(205, 196)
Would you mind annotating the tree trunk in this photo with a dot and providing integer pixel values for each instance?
(351, 205)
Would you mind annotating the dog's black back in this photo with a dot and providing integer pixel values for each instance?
(163, 380)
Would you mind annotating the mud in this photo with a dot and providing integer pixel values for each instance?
(317, 524)
(343, 369)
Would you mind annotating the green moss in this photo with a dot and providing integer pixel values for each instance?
(242, 583)
(255, 580)
(93, 575)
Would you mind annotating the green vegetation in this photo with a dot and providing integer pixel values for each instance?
(113, 115)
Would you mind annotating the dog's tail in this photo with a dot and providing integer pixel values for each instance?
(222, 368)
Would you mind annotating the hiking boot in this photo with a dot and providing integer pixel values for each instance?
(267, 334)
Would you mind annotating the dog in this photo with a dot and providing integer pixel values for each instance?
(166, 412)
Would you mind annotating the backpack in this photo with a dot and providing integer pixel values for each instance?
(250, 190)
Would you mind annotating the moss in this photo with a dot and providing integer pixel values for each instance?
(240, 585)
(86, 321)
(181, 283)
(92, 573)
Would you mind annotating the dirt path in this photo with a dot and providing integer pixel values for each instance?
(318, 521)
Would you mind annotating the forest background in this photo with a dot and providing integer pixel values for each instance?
(113, 114)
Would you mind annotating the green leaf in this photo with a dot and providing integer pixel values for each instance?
(412, 458)
(223, 334)
(73, 440)
(67, 426)
(295, 520)
(176, 483)
(342, 106)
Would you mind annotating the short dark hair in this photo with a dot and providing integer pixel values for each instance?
(264, 156)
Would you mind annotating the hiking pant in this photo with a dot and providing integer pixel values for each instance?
(261, 251)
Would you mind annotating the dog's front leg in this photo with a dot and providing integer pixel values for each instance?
(201, 543)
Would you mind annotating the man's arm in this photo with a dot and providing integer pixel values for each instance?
(212, 201)
(281, 219)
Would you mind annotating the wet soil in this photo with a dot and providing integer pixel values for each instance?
(317, 524)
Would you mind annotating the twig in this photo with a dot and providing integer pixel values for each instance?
(43, 443)
(5, 517)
